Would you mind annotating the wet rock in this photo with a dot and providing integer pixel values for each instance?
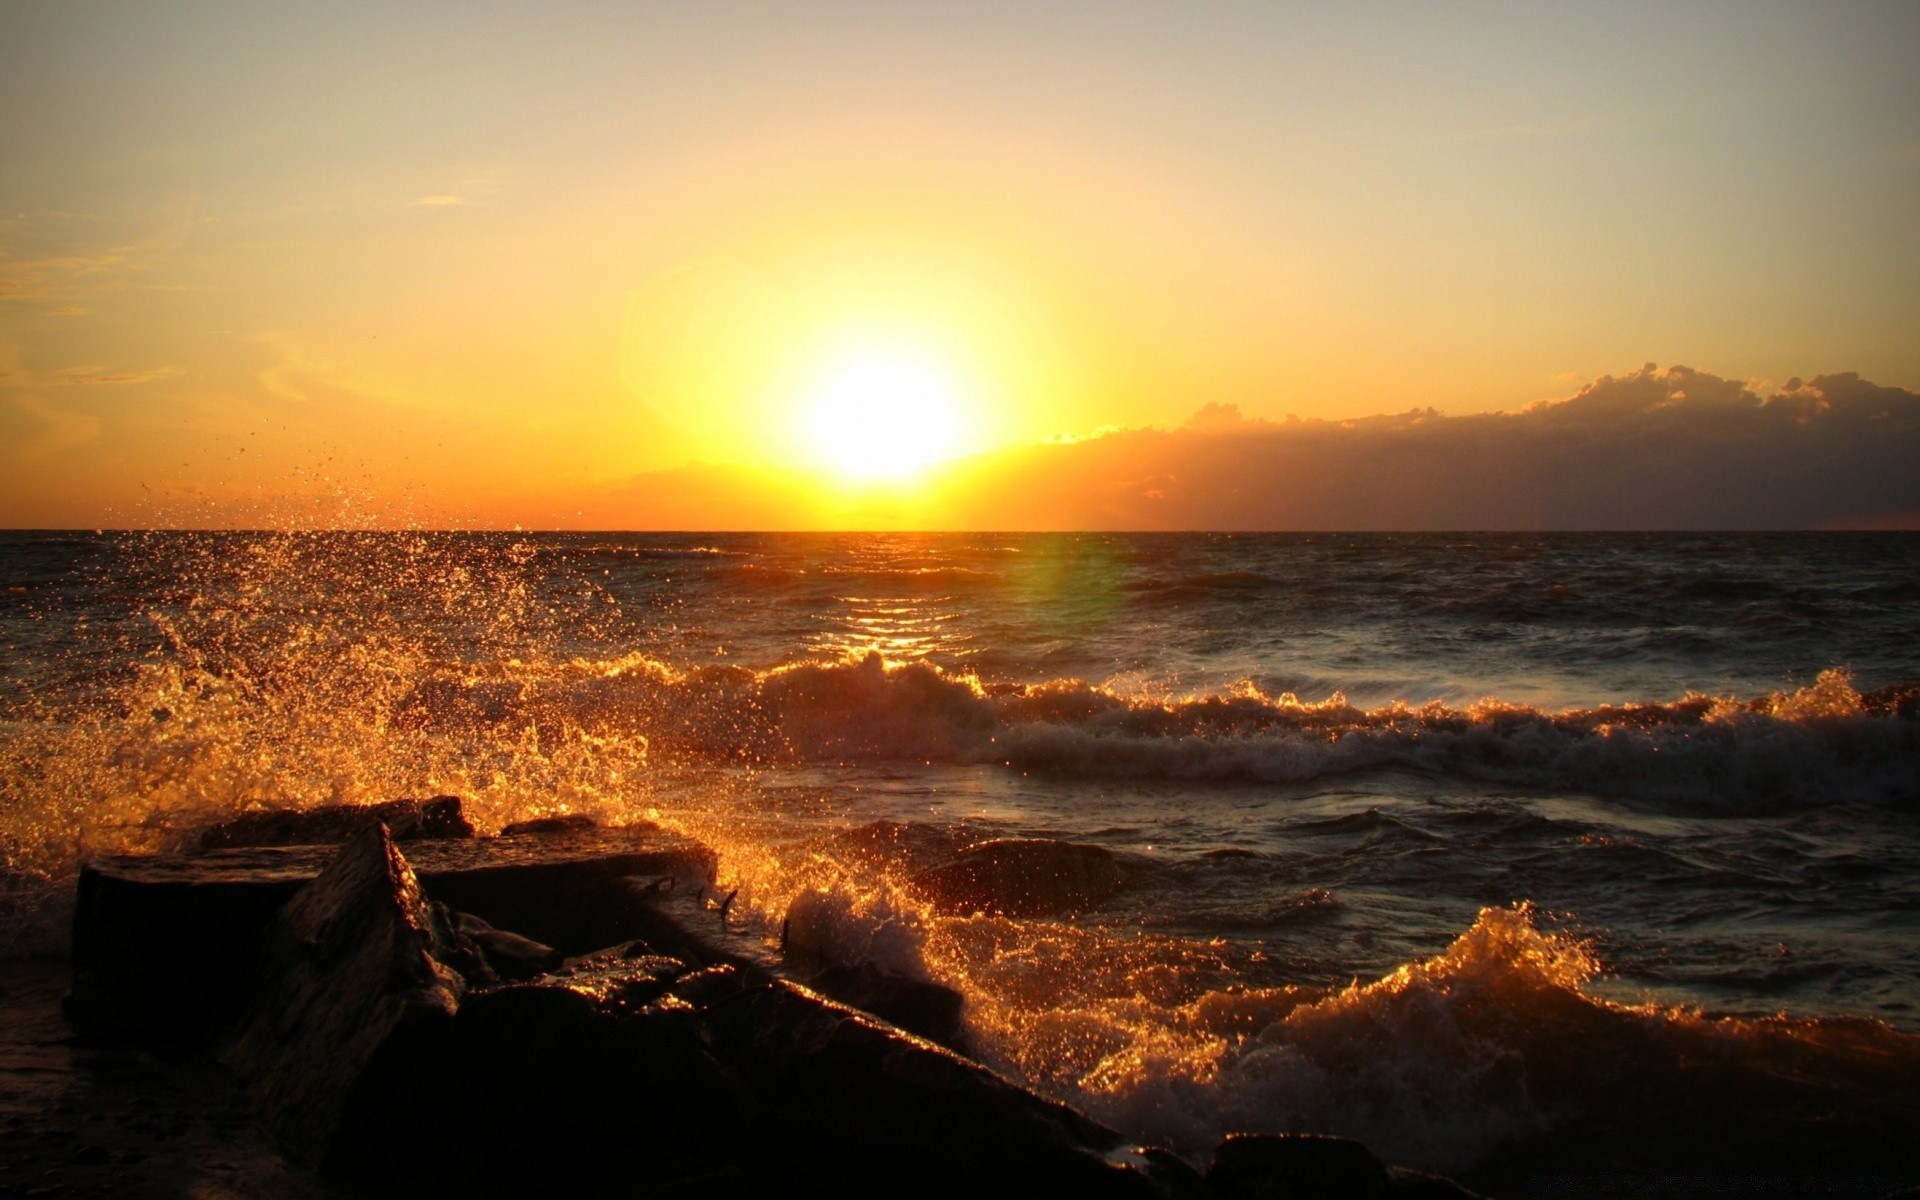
(350, 959)
(569, 890)
(162, 952)
(572, 823)
(406, 820)
(600, 1083)
(1021, 878)
(507, 954)
(158, 941)
(1305, 1166)
(847, 1100)
(924, 1009)
(886, 845)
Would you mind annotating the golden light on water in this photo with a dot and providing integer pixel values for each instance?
(883, 415)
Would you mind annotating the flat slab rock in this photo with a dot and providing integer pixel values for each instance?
(158, 940)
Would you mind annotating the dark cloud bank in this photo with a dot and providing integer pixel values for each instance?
(1673, 449)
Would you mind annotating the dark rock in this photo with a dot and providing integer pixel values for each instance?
(1419, 1185)
(1021, 878)
(848, 1097)
(889, 845)
(406, 820)
(927, 1010)
(350, 959)
(600, 1082)
(572, 823)
(158, 940)
(567, 890)
(162, 951)
(507, 954)
(1306, 1166)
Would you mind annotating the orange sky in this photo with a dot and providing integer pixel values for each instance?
(397, 264)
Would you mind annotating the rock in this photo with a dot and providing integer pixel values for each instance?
(1252, 1166)
(885, 845)
(379, 1046)
(406, 820)
(598, 1083)
(924, 1009)
(160, 950)
(572, 823)
(349, 960)
(509, 955)
(158, 940)
(849, 1103)
(1021, 878)
(1307, 1166)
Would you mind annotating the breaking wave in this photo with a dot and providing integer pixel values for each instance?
(1495, 1044)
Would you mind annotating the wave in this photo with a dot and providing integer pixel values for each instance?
(307, 717)
(1494, 1047)
(1496, 1043)
(1824, 743)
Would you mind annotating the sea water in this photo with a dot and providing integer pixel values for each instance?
(1448, 842)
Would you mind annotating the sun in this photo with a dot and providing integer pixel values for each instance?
(883, 416)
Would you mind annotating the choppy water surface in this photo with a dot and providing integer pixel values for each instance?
(1440, 840)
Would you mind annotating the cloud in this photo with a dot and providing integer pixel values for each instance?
(56, 429)
(91, 376)
(1651, 449)
(26, 278)
(436, 201)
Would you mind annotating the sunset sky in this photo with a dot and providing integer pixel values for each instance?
(458, 264)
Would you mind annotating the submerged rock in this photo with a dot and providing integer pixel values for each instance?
(1021, 878)
(406, 820)
(1308, 1166)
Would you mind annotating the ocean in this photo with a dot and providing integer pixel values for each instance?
(1474, 846)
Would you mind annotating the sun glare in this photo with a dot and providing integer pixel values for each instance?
(884, 416)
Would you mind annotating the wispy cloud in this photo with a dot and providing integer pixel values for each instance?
(24, 278)
(58, 429)
(442, 201)
(91, 376)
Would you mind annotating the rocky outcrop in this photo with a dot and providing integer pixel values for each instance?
(404, 1046)
(1021, 878)
(371, 1058)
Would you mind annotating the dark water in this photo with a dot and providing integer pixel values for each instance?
(1417, 829)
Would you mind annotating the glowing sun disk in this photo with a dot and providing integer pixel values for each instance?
(883, 416)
